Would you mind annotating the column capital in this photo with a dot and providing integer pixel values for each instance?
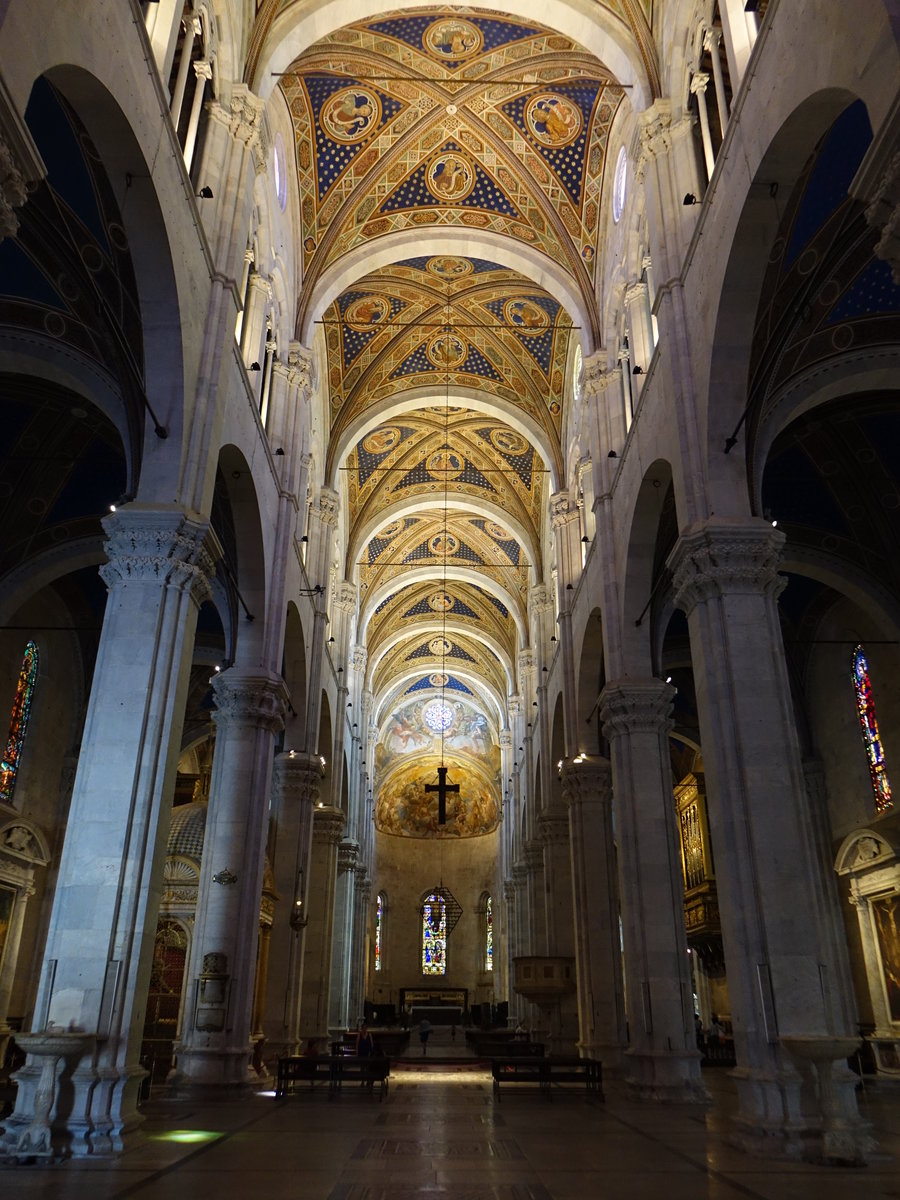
(586, 782)
(527, 662)
(159, 545)
(257, 699)
(328, 825)
(553, 827)
(635, 291)
(326, 506)
(540, 598)
(630, 706)
(722, 556)
(595, 375)
(534, 854)
(699, 82)
(712, 39)
(297, 775)
(562, 510)
(13, 191)
(505, 739)
(301, 367)
(509, 891)
(348, 855)
(345, 597)
(202, 69)
(359, 657)
(514, 703)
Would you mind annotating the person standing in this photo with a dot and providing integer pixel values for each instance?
(424, 1031)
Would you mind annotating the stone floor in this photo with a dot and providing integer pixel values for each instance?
(440, 1133)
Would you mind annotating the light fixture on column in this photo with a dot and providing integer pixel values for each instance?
(689, 199)
(298, 917)
(254, 366)
(636, 370)
(206, 192)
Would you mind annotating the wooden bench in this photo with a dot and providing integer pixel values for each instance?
(547, 1071)
(336, 1069)
(297, 1068)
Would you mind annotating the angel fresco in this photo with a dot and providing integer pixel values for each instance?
(402, 736)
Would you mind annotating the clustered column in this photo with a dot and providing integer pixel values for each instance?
(662, 1061)
(216, 1044)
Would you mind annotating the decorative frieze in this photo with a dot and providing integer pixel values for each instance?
(636, 707)
(723, 558)
(348, 856)
(328, 826)
(296, 776)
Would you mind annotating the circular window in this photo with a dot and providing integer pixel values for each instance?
(438, 716)
(619, 184)
(280, 176)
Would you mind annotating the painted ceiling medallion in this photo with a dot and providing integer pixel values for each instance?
(507, 441)
(367, 313)
(380, 441)
(445, 463)
(443, 545)
(497, 532)
(526, 316)
(440, 601)
(440, 646)
(438, 679)
(450, 177)
(350, 115)
(446, 266)
(453, 40)
(392, 530)
(446, 351)
(553, 120)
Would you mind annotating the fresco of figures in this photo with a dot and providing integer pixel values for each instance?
(407, 757)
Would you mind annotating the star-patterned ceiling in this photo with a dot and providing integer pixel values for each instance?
(448, 370)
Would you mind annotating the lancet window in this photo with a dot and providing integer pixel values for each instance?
(18, 724)
(434, 935)
(488, 934)
(865, 707)
(379, 931)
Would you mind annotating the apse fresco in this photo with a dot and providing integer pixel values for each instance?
(407, 757)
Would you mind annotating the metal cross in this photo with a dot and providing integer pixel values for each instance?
(442, 787)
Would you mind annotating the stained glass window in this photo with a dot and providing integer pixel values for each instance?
(488, 935)
(865, 707)
(434, 936)
(379, 929)
(18, 723)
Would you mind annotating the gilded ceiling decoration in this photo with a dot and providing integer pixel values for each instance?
(439, 320)
(465, 542)
(432, 118)
(439, 651)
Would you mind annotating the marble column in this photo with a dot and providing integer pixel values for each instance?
(295, 794)
(640, 326)
(215, 1048)
(699, 82)
(339, 1015)
(587, 789)
(328, 829)
(554, 835)
(782, 981)
(662, 1061)
(192, 29)
(99, 947)
(202, 73)
(712, 39)
(362, 891)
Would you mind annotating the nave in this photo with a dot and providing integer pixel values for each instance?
(440, 1135)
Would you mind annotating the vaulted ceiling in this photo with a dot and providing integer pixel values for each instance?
(448, 371)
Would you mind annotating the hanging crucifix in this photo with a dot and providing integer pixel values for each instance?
(442, 787)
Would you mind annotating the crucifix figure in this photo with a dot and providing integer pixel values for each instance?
(442, 787)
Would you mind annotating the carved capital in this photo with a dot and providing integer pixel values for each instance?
(13, 192)
(712, 39)
(527, 663)
(301, 367)
(699, 82)
(345, 596)
(883, 213)
(297, 776)
(586, 782)
(203, 69)
(359, 657)
(348, 856)
(636, 706)
(534, 855)
(562, 510)
(554, 828)
(656, 131)
(245, 699)
(246, 111)
(328, 826)
(505, 739)
(722, 557)
(514, 703)
(509, 891)
(159, 546)
(540, 599)
(327, 506)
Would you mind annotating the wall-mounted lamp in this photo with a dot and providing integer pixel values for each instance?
(553, 639)
(254, 366)
(304, 538)
(612, 454)
(637, 370)
(689, 199)
(279, 452)
(585, 539)
(206, 192)
(331, 641)
(298, 917)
